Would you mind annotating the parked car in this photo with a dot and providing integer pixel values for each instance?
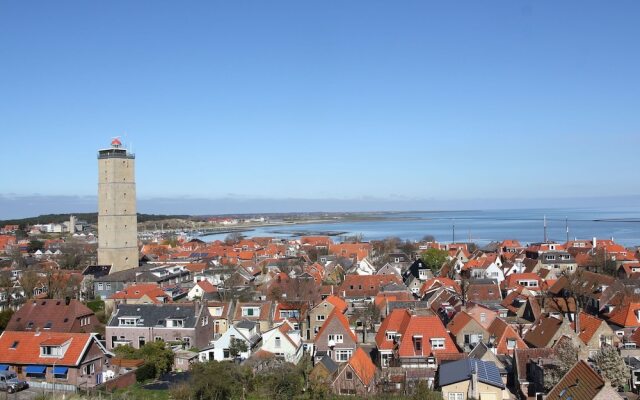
(9, 382)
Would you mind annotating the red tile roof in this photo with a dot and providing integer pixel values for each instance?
(136, 292)
(362, 365)
(338, 303)
(625, 315)
(588, 326)
(27, 349)
(411, 326)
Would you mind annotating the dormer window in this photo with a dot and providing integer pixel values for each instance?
(391, 335)
(51, 351)
(175, 323)
(250, 311)
(437, 343)
(417, 343)
(128, 321)
(638, 315)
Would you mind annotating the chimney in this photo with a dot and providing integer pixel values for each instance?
(67, 300)
(577, 320)
(594, 242)
(474, 379)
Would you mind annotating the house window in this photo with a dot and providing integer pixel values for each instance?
(158, 339)
(511, 344)
(348, 375)
(88, 369)
(100, 286)
(417, 343)
(336, 338)
(456, 396)
(320, 317)
(187, 341)
(278, 342)
(107, 286)
(437, 343)
(50, 351)
(391, 336)
(249, 311)
(343, 355)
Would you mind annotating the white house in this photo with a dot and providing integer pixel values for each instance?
(200, 289)
(219, 350)
(284, 342)
(364, 267)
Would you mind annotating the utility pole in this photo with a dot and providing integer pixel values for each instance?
(566, 224)
(544, 222)
(453, 233)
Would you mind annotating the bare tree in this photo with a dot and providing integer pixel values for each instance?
(29, 281)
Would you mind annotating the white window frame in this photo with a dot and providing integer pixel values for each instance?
(437, 343)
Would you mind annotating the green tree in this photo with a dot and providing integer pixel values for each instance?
(434, 258)
(612, 366)
(237, 346)
(154, 353)
(35, 245)
(5, 317)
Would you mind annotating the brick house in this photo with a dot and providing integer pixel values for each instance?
(54, 316)
(137, 324)
(335, 339)
(41, 358)
(357, 376)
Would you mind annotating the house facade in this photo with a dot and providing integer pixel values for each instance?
(135, 325)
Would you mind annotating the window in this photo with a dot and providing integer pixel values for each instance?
(249, 311)
(456, 396)
(320, 317)
(417, 343)
(205, 321)
(437, 343)
(158, 339)
(343, 355)
(391, 336)
(107, 286)
(348, 375)
(511, 344)
(88, 369)
(141, 341)
(50, 351)
(278, 342)
(483, 317)
(187, 341)
(100, 286)
(127, 321)
(336, 338)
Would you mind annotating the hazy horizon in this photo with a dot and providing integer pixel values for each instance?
(20, 206)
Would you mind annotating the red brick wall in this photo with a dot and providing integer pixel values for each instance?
(119, 382)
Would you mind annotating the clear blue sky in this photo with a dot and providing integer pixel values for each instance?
(327, 99)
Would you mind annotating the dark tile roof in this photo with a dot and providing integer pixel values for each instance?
(329, 364)
(461, 370)
(154, 315)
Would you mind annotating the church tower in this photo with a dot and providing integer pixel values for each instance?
(117, 219)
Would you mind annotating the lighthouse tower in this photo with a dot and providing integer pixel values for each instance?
(117, 219)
